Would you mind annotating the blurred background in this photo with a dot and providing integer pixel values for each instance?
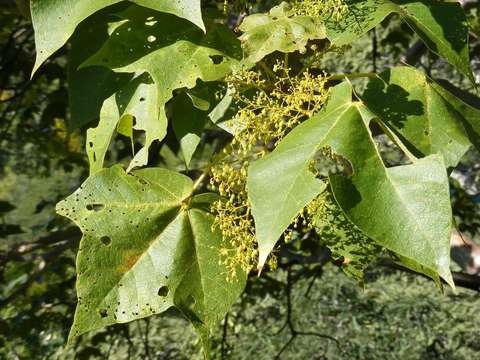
(308, 308)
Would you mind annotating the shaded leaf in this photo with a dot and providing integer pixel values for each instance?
(89, 87)
(346, 242)
(408, 102)
(361, 17)
(442, 25)
(55, 21)
(467, 105)
(188, 124)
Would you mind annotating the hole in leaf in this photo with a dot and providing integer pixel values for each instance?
(106, 240)
(163, 291)
(216, 59)
(103, 313)
(95, 207)
(190, 301)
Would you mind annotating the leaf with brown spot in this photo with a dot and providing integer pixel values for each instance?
(161, 251)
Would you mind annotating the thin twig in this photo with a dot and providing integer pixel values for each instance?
(289, 321)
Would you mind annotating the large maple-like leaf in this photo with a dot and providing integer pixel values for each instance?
(405, 209)
(147, 245)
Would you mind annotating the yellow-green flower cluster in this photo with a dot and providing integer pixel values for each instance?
(334, 8)
(270, 106)
(277, 106)
(233, 218)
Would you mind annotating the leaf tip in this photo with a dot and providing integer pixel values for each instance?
(38, 63)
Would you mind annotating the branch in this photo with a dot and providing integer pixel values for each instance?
(460, 279)
(69, 236)
(41, 267)
(289, 321)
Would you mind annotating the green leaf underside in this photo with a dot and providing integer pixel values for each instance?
(442, 25)
(264, 34)
(145, 249)
(55, 21)
(470, 113)
(174, 53)
(405, 209)
(344, 239)
(409, 103)
(188, 125)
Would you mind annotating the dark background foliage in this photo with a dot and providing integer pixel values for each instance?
(307, 309)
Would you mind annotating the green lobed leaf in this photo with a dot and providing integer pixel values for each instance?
(55, 21)
(409, 103)
(175, 54)
(136, 101)
(147, 246)
(442, 25)
(405, 209)
(278, 30)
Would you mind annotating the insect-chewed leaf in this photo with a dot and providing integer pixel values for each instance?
(146, 246)
(278, 31)
(137, 100)
(345, 241)
(442, 25)
(405, 209)
(411, 104)
(55, 20)
(174, 52)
